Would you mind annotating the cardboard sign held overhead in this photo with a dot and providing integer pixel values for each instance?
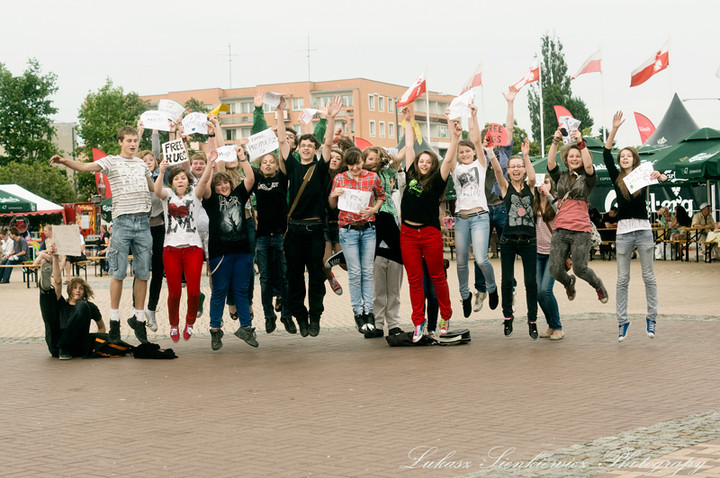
(172, 109)
(261, 143)
(195, 123)
(175, 152)
(497, 135)
(227, 154)
(67, 239)
(155, 120)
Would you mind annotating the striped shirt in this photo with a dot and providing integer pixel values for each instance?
(128, 179)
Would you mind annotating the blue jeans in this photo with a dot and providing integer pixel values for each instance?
(359, 250)
(497, 214)
(643, 241)
(131, 232)
(477, 230)
(7, 271)
(236, 269)
(270, 259)
(545, 296)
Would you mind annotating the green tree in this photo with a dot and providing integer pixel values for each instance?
(195, 105)
(40, 178)
(555, 91)
(26, 129)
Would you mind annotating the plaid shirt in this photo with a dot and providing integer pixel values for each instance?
(368, 181)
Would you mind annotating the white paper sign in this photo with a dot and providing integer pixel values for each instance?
(392, 151)
(639, 177)
(261, 143)
(460, 106)
(155, 120)
(539, 179)
(570, 124)
(171, 108)
(195, 123)
(354, 200)
(227, 154)
(307, 115)
(175, 152)
(67, 239)
(272, 99)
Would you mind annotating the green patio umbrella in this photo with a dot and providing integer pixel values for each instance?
(10, 203)
(106, 210)
(696, 156)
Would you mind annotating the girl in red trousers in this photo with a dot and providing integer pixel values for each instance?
(183, 251)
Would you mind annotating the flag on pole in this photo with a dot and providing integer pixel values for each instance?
(592, 65)
(414, 92)
(652, 65)
(560, 112)
(474, 80)
(645, 127)
(532, 76)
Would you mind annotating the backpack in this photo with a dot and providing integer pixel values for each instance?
(100, 346)
(455, 337)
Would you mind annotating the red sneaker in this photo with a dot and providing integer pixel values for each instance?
(335, 285)
(187, 333)
(174, 334)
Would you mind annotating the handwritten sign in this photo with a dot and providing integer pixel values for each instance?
(227, 154)
(272, 99)
(262, 143)
(155, 120)
(195, 123)
(354, 200)
(307, 115)
(460, 106)
(497, 135)
(539, 179)
(67, 239)
(171, 108)
(639, 177)
(175, 152)
(570, 124)
(392, 151)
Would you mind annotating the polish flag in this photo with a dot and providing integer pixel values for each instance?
(592, 65)
(645, 127)
(561, 112)
(652, 65)
(414, 92)
(532, 76)
(474, 80)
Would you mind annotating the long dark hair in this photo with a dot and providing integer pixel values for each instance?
(434, 169)
(620, 183)
(549, 213)
(683, 219)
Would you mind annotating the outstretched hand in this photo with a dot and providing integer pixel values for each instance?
(334, 108)
(525, 147)
(510, 95)
(617, 120)
(407, 115)
(258, 102)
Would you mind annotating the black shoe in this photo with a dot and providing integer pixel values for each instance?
(396, 331)
(314, 328)
(139, 329)
(508, 327)
(360, 322)
(270, 324)
(248, 335)
(114, 335)
(369, 322)
(373, 334)
(216, 336)
(64, 355)
(289, 325)
(335, 260)
(45, 276)
(533, 330)
(467, 306)
(494, 300)
(303, 326)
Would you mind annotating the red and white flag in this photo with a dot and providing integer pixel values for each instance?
(645, 127)
(652, 65)
(592, 65)
(414, 92)
(532, 76)
(474, 80)
(561, 112)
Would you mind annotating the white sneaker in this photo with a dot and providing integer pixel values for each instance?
(479, 299)
(151, 322)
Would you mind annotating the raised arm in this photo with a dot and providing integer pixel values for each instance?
(203, 190)
(529, 169)
(215, 137)
(155, 139)
(510, 120)
(451, 156)
(259, 123)
(91, 167)
(57, 274)
(497, 169)
(474, 128)
(281, 134)
(159, 188)
(249, 180)
(586, 156)
(552, 152)
(409, 137)
(616, 123)
(332, 110)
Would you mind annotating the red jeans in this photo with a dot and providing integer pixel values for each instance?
(416, 244)
(176, 261)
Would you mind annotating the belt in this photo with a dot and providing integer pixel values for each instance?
(470, 214)
(357, 227)
(306, 222)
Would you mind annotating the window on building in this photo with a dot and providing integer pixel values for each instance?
(391, 105)
(298, 104)
(232, 109)
(371, 102)
(347, 100)
(298, 129)
(381, 126)
(381, 103)
(230, 134)
(391, 130)
(245, 132)
(247, 107)
(442, 131)
(268, 108)
(372, 128)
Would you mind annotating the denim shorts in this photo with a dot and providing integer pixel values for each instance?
(131, 234)
(332, 232)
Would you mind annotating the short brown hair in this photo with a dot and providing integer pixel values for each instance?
(199, 156)
(126, 131)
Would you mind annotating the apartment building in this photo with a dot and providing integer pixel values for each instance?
(369, 105)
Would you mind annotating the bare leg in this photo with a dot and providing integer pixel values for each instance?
(139, 293)
(115, 293)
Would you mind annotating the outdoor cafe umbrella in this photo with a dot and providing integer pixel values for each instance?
(696, 156)
(10, 203)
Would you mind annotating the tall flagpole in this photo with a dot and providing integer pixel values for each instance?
(602, 89)
(427, 107)
(542, 112)
(672, 93)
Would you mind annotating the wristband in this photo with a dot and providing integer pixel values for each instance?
(581, 145)
(211, 135)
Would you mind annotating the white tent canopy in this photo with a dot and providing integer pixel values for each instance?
(43, 205)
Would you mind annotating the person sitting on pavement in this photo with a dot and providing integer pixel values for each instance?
(67, 321)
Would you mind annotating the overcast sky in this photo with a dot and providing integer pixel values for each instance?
(156, 47)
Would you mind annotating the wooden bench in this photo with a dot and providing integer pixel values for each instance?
(78, 266)
(29, 271)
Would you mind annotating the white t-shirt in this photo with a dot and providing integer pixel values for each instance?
(469, 182)
(128, 179)
(181, 220)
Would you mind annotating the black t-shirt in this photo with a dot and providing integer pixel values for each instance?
(519, 220)
(228, 233)
(311, 203)
(271, 203)
(633, 208)
(421, 205)
(65, 310)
